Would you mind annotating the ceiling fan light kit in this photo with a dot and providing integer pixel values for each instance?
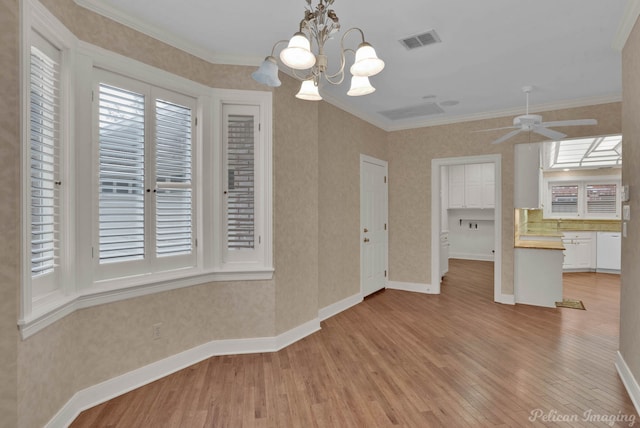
(318, 25)
(533, 123)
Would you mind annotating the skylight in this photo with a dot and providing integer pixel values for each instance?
(592, 152)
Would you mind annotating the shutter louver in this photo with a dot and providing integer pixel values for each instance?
(174, 205)
(240, 176)
(45, 161)
(564, 199)
(121, 188)
(601, 199)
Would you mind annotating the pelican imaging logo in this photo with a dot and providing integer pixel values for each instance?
(587, 416)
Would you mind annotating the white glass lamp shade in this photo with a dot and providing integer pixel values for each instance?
(297, 54)
(267, 74)
(308, 91)
(360, 86)
(367, 62)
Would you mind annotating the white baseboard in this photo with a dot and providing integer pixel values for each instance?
(471, 256)
(104, 391)
(414, 287)
(507, 299)
(629, 380)
(337, 307)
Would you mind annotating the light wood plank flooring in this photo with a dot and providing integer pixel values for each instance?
(410, 360)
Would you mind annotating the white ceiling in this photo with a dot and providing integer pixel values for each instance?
(489, 49)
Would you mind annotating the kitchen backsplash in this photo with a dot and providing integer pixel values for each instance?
(536, 224)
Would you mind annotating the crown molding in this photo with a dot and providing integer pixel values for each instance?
(165, 36)
(631, 13)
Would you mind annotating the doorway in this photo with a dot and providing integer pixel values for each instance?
(373, 224)
(438, 210)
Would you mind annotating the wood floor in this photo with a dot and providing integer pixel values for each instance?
(410, 360)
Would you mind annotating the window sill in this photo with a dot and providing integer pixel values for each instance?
(59, 306)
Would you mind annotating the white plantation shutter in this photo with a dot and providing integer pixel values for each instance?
(602, 200)
(564, 199)
(240, 171)
(174, 197)
(44, 153)
(121, 204)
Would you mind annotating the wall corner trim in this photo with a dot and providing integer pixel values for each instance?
(629, 381)
(337, 307)
(111, 388)
(414, 287)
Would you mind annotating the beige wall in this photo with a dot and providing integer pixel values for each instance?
(9, 215)
(410, 155)
(342, 138)
(630, 296)
(295, 150)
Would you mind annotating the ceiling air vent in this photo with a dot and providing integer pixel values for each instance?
(419, 40)
(426, 109)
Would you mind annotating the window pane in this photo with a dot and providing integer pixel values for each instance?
(601, 199)
(240, 176)
(121, 192)
(45, 158)
(564, 199)
(174, 227)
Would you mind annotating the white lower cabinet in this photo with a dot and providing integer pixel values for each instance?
(579, 253)
(608, 254)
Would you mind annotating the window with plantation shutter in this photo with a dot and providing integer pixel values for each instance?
(121, 193)
(564, 199)
(583, 197)
(174, 218)
(146, 192)
(45, 157)
(240, 182)
(240, 171)
(602, 199)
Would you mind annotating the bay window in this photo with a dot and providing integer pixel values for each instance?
(135, 180)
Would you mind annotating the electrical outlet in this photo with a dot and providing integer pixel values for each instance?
(157, 331)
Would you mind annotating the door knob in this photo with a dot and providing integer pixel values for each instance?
(366, 230)
(366, 239)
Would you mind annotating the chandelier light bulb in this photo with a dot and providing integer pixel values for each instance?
(267, 74)
(367, 62)
(297, 54)
(360, 85)
(309, 91)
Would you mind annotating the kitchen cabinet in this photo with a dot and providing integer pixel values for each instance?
(579, 253)
(609, 252)
(527, 176)
(472, 186)
(538, 276)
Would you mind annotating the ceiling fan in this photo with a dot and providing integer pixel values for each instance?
(533, 123)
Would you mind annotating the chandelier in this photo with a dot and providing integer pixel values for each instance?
(319, 25)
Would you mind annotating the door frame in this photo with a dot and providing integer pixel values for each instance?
(436, 186)
(385, 164)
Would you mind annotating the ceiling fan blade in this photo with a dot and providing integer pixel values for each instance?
(496, 129)
(575, 122)
(549, 133)
(505, 137)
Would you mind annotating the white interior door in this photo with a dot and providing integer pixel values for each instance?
(373, 224)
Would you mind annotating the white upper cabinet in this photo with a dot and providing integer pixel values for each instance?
(526, 191)
(472, 186)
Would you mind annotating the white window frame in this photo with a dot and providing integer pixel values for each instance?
(151, 264)
(582, 182)
(37, 19)
(79, 286)
(260, 259)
